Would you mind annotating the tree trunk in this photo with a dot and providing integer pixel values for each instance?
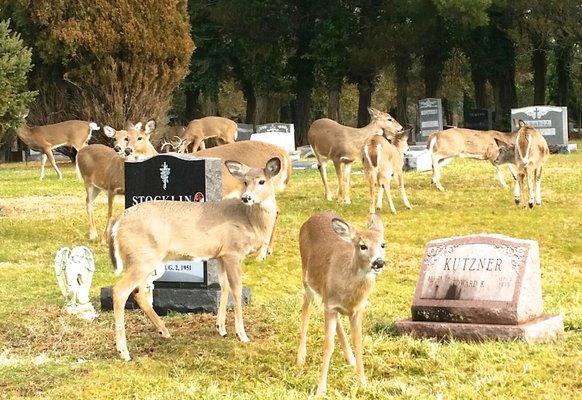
(193, 107)
(333, 104)
(480, 84)
(365, 90)
(507, 98)
(251, 106)
(402, 66)
(267, 109)
(563, 65)
(210, 104)
(302, 113)
(540, 67)
(431, 74)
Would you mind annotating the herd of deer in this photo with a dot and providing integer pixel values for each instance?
(339, 262)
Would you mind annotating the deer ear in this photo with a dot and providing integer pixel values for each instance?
(109, 131)
(135, 127)
(342, 229)
(373, 112)
(501, 144)
(236, 169)
(521, 123)
(150, 126)
(273, 167)
(375, 223)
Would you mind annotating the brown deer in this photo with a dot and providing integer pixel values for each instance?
(529, 153)
(199, 129)
(461, 142)
(383, 160)
(227, 230)
(102, 168)
(253, 154)
(340, 264)
(45, 138)
(343, 145)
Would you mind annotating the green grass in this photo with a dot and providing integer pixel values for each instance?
(44, 353)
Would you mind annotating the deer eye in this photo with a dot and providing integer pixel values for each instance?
(363, 247)
(262, 182)
(383, 245)
(139, 138)
(126, 139)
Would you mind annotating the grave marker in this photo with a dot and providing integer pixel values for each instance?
(550, 121)
(478, 119)
(431, 117)
(282, 135)
(481, 286)
(244, 131)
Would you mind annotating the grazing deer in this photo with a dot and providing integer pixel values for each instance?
(102, 168)
(199, 129)
(340, 264)
(383, 160)
(228, 230)
(529, 152)
(45, 138)
(253, 154)
(343, 145)
(461, 142)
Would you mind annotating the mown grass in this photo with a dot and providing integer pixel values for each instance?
(44, 353)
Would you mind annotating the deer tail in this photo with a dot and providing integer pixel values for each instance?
(114, 249)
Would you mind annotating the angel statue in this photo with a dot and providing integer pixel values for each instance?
(74, 271)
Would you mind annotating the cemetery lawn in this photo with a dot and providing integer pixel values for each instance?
(46, 354)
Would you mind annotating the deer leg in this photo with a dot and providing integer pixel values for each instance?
(197, 143)
(302, 352)
(43, 159)
(121, 292)
(347, 186)
(530, 186)
(339, 170)
(92, 193)
(110, 198)
(322, 167)
(520, 187)
(436, 172)
(512, 171)
(386, 186)
(330, 330)
(268, 248)
(341, 334)
(51, 159)
(140, 297)
(224, 291)
(373, 190)
(538, 172)
(356, 328)
(380, 195)
(232, 265)
(501, 177)
(400, 180)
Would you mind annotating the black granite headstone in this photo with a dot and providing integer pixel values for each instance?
(478, 119)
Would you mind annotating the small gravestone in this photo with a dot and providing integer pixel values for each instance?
(481, 287)
(550, 121)
(478, 119)
(279, 134)
(181, 285)
(431, 117)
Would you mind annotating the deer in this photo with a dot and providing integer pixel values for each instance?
(383, 160)
(343, 145)
(46, 138)
(102, 168)
(469, 143)
(340, 264)
(226, 230)
(253, 154)
(528, 153)
(197, 130)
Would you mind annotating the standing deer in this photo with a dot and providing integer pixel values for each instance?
(228, 230)
(529, 153)
(383, 160)
(461, 142)
(199, 129)
(253, 154)
(45, 138)
(102, 168)
(340, 264)
(343, 145)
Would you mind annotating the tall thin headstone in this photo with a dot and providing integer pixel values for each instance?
(431, 117)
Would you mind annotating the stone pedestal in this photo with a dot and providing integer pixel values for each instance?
(184, 300)
(481, 287)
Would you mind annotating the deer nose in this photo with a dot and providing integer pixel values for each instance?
(117, 149)
(378, 263)
(246, 198)
(127, 151)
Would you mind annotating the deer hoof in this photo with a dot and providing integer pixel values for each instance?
(124, 354)
(516, 201)
(531, 204)
(221, 330)
(243, 337)
(164, 333)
